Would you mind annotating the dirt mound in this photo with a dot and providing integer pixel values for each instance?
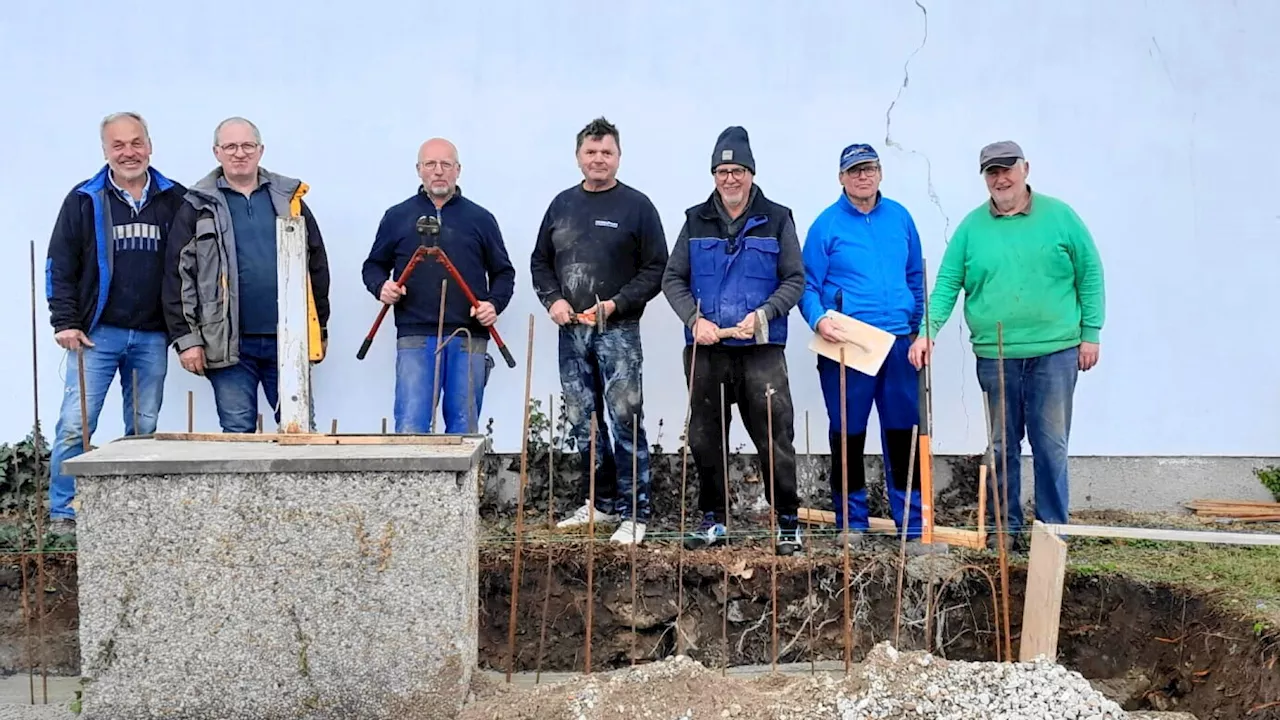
(673, 689)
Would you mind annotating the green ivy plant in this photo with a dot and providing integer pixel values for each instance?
(24, 483)
(1269, 476)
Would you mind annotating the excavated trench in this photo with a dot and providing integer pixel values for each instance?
(1148, 648)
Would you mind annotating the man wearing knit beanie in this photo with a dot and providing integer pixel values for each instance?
(733, 276)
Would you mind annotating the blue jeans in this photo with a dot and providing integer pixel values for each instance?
(1038, 396)
(416, 383)
(128, 351)
(235, 388)
(601, 372)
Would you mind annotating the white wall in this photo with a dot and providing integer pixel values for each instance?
(1155, 120)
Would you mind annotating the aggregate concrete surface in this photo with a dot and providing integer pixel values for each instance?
(234, 595)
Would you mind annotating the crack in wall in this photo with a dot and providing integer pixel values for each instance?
(888, 123)
(928, 165)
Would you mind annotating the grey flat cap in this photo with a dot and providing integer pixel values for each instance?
(1000, 154)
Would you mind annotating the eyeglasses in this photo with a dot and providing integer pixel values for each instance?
(859, 170)
(724, 173)
(431, 165)
(249, 148)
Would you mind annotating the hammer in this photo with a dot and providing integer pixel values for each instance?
(760, 336)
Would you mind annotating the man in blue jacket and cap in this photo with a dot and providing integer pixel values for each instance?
(738, 259)
(862, 258)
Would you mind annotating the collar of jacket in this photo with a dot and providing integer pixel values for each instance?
(852, 209)
(99, 182)
(205, 192)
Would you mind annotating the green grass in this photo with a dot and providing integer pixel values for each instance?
(1244, 580)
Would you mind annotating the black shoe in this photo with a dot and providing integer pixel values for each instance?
(789, 542)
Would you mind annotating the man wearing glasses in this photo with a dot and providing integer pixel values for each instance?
(470, 237)
(862, 258)
(734, 274)
(220, 291)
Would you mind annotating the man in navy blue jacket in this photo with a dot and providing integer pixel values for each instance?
(862, 258)
(469, 235)
(102, 280)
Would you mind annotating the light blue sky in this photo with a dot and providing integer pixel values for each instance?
(1156, 121)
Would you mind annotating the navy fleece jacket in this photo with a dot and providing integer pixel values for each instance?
(469, 235)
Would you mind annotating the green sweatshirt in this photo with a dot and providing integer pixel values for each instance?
(1037, 273)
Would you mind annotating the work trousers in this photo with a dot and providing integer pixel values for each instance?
(746, 373)
(459, 387)
(894, 391)
(601, 371)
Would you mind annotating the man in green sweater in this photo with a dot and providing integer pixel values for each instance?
(1032, 281)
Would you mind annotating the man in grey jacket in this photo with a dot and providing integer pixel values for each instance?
(738, 259)
(220, 289)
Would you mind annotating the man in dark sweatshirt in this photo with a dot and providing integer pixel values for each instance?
(602, 240)
(103, 277)
(738, 259)
(469, 235)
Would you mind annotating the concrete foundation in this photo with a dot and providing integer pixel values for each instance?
(255, 580)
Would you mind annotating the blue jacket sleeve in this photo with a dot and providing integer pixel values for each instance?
(816, 262)
(381, 262)
(502, 274)
(915, 272)
(62, 268)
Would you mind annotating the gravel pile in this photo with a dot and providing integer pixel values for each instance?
(888, 684)
(902, 685)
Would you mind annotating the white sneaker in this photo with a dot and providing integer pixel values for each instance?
(628, 533)
(582, 516)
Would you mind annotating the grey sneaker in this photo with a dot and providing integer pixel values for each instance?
(707, 534)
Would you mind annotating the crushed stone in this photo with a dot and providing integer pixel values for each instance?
(887, 685)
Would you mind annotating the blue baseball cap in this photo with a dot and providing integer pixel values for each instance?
(855, 154)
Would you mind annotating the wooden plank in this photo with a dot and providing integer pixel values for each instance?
(312, 439)
(293, 354)
(213, 437)
(866, 348)
(950, 536)
(1042, 609)
(1200, 536)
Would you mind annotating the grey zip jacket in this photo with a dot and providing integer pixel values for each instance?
(200, 293)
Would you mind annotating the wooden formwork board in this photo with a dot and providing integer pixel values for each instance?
(950, 536)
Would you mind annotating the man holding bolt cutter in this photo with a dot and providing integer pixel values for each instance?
(737, 259)
(457, 340)
(597, 262)
(221, 299)
(862, 258)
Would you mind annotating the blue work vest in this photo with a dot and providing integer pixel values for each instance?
(733, 276)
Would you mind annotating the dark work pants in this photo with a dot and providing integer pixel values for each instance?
(746, 372)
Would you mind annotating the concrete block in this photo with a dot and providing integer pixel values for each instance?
(277, 592)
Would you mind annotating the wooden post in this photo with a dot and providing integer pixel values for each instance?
(1046, 569)
(293, 345)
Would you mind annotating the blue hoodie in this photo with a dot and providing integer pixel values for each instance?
(871, 262)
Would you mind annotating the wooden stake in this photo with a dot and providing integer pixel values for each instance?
(773, 528)
(551, 523)
(926, 433)
(844, 512)
(1046, 568)
(906, 525)
(591, 542)
(524, 481)
(982, 501)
